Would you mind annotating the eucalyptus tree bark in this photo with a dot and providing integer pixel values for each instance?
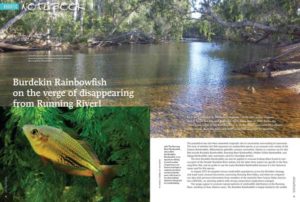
(81, 21)
(75, 15)
(99, 5)
(51, 18)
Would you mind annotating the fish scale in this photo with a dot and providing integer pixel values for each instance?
(71, 148)
(59, 154)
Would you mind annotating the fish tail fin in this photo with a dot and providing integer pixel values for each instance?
(104, 177)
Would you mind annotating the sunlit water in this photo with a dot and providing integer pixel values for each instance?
(180, 81)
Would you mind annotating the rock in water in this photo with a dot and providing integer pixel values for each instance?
(251, 89)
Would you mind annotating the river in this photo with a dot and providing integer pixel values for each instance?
(183, 83)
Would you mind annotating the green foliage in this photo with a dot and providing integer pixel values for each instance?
(276, 13)
(32, 22)
(101, 17)
(167, 19)
(5, 15)
(65, 29)
(264, 11)
(206, 29)
(118, 135)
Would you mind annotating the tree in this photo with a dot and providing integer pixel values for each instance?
(267, 16)
(102, 18)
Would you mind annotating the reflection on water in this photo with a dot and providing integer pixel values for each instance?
(206, 75)
(180, 81)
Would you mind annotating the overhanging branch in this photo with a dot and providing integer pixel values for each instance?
(287, 29)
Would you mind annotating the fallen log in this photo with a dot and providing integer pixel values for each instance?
(266, 35)
(124, 38)
(287, 59)
(11, 47)
(290, 52)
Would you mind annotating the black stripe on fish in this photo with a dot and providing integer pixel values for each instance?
(71, 162)
(75, 153)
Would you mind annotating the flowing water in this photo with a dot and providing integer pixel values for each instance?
(184, 83)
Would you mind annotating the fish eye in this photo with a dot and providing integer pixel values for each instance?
(34, 131)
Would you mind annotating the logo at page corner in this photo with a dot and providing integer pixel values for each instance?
(46, 6)
(9, 6)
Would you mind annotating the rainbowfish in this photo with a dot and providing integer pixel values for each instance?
(66, 153)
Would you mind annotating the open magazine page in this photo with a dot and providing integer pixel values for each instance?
(149, 100)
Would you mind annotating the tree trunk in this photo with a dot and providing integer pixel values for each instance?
(13, 20)
(16, 18)
(288, 59)
(75, 15)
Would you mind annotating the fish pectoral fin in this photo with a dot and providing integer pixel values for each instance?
(74, 171)
(106, 175)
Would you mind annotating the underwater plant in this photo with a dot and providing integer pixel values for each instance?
(118, 136)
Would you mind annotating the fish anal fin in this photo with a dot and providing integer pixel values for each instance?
(44, 160)
(74, 171)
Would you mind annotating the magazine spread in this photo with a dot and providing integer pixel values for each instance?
(149, 100)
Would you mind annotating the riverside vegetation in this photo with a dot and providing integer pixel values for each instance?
(98, 23)
(151, 20)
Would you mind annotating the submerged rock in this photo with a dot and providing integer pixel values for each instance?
(251, 89)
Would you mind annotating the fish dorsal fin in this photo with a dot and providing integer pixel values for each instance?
(89, 150)
(70, 132)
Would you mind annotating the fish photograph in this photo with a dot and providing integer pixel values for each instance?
(82, 154)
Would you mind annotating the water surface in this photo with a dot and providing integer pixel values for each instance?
(182, 82)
